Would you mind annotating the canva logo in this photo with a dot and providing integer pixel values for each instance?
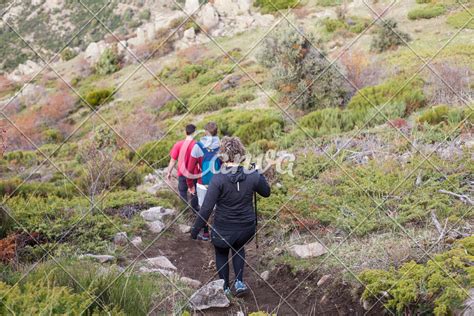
(281, 161)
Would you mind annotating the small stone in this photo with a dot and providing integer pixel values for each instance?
(184, 228)
(323, 279)
(209, 296)
(120, 238)
(314, 249)
(156, 227)
(157, 270)
(265, 275)
(136, 241)
(189, 34)
(191, 282)
(160, 262)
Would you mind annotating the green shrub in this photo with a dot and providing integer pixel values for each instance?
(426, 12)
(155, 153)
(275, 5)
(249, 125)
(242, 97)
(6, 223)
(39, 298)
(388, 37)
(53, 136)
(145, 15)
(98, 97)
(434, 115)
(68, 54)
(328, 121)
(16, 187)
(174, 107)
(332, 25)
(108, 63)
(209, 103)
(393, 91)
(329, 3)
(300, 72)
(417, 288)
(424, 1)
(209, 77)
(460, 19)
(20, 157)
(191, 71)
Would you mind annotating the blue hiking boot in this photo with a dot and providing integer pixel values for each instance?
(240, 288)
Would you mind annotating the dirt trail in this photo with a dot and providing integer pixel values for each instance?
(195, 259)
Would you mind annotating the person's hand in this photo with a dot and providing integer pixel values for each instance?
(192, 190)
(168, 175)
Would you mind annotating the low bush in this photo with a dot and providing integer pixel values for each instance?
(16, 187)
(209, 103)
(275, 5)
(437, 287)
(98, 97)
(108, 63)
(332, 25)
(249, 125)
(37, 298)
(329, 3)
(191, 71)
(426, 12)
(352, 24)
(444, 113)
(393, 91)
(388, 37)
(461, 19)
(155, 153)
(68, 54)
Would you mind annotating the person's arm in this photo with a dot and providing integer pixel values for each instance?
(262, 186)
(192, 165)
(207, 207)
(193, 171)
(170, 168)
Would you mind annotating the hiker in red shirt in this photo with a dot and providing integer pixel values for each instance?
(180, 154)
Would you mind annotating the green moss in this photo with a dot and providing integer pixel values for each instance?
(275, 5)
(426, 12)
(460, 19)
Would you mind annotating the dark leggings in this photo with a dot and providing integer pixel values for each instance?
(223, 242)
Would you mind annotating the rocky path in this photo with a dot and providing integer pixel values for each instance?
(195, 260)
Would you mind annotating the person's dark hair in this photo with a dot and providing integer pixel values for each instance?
(190, 128)
(232, 150)
(211, 127)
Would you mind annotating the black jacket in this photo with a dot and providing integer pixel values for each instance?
(231, 191)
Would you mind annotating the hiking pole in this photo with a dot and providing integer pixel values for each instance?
(254, 166)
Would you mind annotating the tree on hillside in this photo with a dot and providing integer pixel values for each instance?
(300, 71)
(108, 62)
(388, 37)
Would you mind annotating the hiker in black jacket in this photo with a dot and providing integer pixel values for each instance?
(231, 191)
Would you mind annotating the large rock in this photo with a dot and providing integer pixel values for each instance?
(209, 296)
(189, 34)
(227, 7)
(160, 262)
(208, 17)
(314, 249)
(136, 241)
(184, 228)
(94, 50)
(156, 213)
(164, 272)
(156, 226)
(191, 6)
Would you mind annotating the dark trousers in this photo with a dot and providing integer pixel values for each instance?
(226, 240)
(183, 193)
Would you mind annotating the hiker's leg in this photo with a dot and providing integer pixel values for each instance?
(194, 200)
(238, 261)
(238, 251)
(222, 264)
(183, 189)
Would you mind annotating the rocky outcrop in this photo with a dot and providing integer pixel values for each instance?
(160, 262)
(210, 295)
(99, 258)
(157, 213)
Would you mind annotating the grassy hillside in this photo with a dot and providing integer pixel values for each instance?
(383, 147)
